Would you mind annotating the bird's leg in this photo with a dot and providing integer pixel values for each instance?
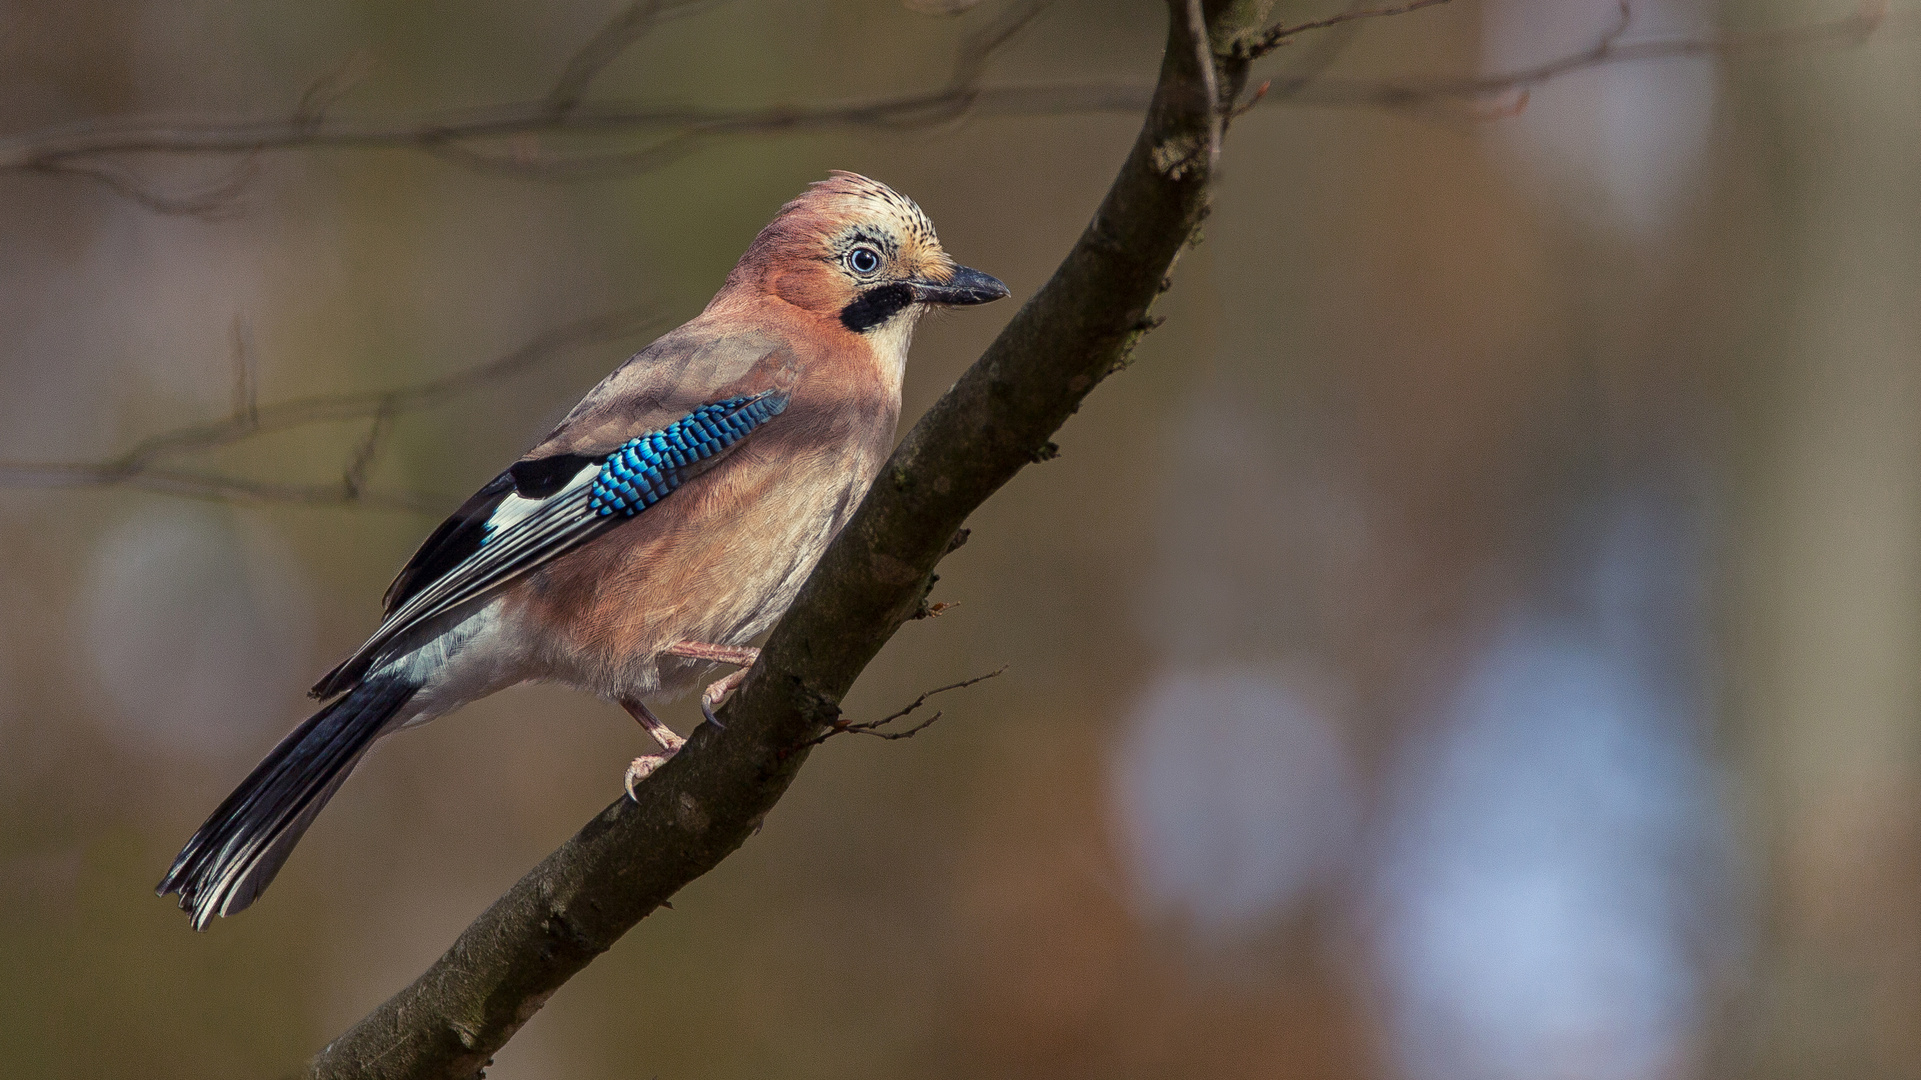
(643, 766)
(670, 744)
(741, 655)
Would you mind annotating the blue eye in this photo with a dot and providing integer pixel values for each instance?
(863, 260)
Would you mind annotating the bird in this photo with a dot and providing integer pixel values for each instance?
(640, 547)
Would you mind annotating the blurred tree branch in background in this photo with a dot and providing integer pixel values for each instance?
(628, 26)
(148, 466)
(505, 138)
(496, 139)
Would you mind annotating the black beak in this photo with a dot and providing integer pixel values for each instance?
(967, 286)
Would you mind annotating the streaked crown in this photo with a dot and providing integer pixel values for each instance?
(856, 250)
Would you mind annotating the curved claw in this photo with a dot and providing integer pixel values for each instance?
(716, 692)
(643, 766)
(640, 769)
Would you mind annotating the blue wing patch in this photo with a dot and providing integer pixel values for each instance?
(647, 469)
(503, 533)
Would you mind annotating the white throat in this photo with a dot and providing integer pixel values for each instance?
(890, 341)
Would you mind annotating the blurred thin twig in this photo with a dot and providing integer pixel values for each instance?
(1609, 49)
(147, 465)
(1280, 34)
(494, 139)
(633, 22)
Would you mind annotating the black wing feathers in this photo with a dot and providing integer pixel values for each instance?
(457, 537)
(541, 477)
(460, 535)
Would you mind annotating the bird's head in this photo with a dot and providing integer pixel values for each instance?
(857, 251)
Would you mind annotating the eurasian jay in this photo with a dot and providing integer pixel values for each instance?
(668, 520)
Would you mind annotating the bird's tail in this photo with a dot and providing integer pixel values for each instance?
(233, 857)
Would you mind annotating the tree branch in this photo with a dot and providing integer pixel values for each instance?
(706, 801)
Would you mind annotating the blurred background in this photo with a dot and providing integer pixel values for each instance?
(1476, 640)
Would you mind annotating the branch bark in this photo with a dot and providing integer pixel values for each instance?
(1078, 329)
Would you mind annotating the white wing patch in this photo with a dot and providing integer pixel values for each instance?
(516, 508)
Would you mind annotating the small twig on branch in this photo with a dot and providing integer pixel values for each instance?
(874, 727)
(144, 466)
(1276, 36)
(1235, 113)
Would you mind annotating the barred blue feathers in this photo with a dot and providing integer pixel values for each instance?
(647, 469)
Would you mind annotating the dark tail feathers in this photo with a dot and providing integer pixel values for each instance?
(233, 857)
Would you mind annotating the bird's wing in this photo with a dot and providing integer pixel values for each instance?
(584, 479)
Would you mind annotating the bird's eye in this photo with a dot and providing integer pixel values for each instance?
(863, 260)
